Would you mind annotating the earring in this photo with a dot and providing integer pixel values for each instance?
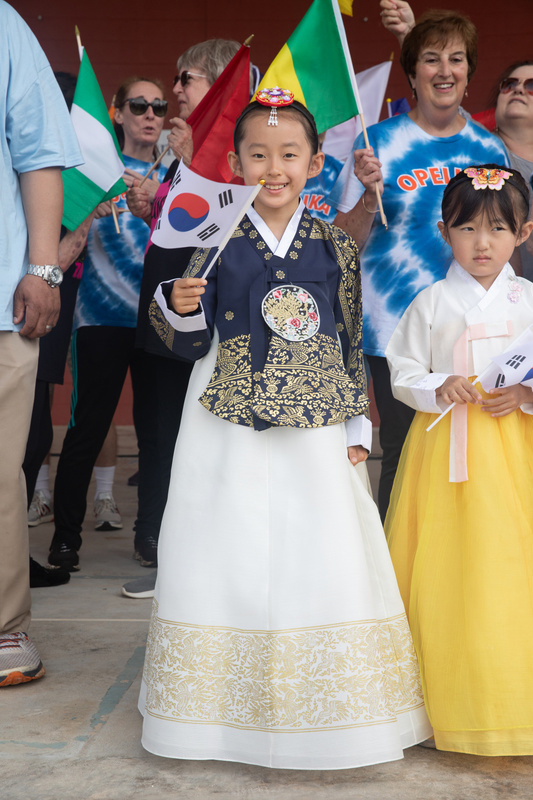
(466, 92)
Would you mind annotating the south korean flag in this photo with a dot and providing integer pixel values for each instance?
(514, 365)
(200, 213)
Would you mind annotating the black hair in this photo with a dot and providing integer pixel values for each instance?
(67, 83)
(296, 110)
(461, 202)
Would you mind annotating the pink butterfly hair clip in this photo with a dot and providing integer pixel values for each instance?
(487, 178)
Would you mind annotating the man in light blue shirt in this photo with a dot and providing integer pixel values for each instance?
(36, 141)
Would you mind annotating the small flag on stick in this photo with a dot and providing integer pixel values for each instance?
(200, 213)
(329, 91)
(100, 177)
(514, 365)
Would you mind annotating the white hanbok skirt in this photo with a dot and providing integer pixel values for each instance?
(278, 635)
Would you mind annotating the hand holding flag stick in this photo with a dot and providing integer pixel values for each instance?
(513, 366)
(155, 164)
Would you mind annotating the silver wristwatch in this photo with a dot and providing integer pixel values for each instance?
(51, 273)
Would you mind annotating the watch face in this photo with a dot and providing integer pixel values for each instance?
(55, 276)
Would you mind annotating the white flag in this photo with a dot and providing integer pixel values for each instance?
(514, 365)
(372, 85)
(199, 212)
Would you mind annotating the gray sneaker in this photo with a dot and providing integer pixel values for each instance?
(107, 514)
(140, 587)
(40, 509)
(19, 659)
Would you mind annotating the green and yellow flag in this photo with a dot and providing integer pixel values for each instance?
(325, 85)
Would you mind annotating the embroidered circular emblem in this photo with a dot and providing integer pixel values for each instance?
(291, 312)
(280, 274)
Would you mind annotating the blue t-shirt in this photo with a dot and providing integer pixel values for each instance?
(36, 132)
(317, 189)
(397, 263)
(112, 271)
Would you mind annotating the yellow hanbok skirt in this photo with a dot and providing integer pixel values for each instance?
(463, 555)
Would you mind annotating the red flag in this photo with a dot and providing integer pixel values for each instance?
(213, 119)
(486, 118)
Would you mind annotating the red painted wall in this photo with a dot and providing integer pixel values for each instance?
(123, 38)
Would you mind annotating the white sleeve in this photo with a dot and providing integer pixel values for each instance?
(187, 324)
(409, 357)
(359, 431)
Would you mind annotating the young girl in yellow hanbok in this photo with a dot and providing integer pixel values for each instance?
(460, 523)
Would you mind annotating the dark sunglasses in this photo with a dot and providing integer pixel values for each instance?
(185, 76)
(139, 106)
(510, 84)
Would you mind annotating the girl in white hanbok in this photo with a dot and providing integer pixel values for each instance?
(460, 523)
(278, 635)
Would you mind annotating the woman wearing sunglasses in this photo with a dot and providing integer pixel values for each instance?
(105, 322)
(513, 102)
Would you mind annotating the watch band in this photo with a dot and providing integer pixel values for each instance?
(47, 272)
(40, 269)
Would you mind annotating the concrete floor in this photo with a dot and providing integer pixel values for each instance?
(75, 735)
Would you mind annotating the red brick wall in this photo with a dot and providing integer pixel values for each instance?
(138, 36)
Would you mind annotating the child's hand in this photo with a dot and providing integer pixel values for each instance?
(186, 293)
(357, 454)
(507, 399)
(457, 389)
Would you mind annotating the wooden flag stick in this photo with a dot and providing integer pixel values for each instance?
(115, 216)
(247, 42)
(353, 80)
(378, 193)
(155, 164)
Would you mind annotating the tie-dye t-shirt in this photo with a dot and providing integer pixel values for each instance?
(397, 263)
(317, 189)
(112, 271)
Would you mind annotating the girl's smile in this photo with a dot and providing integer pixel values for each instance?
(280, 155)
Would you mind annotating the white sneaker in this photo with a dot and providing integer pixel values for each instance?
(19, 659)
(107, 514)
(41, 509)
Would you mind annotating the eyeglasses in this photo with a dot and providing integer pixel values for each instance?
(185, 76)
(139, 106)
(509, 84)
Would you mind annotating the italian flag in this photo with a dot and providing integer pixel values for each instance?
(100, 177)
(325, 85)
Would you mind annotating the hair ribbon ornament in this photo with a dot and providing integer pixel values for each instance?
(487, 178)
(274, 97)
